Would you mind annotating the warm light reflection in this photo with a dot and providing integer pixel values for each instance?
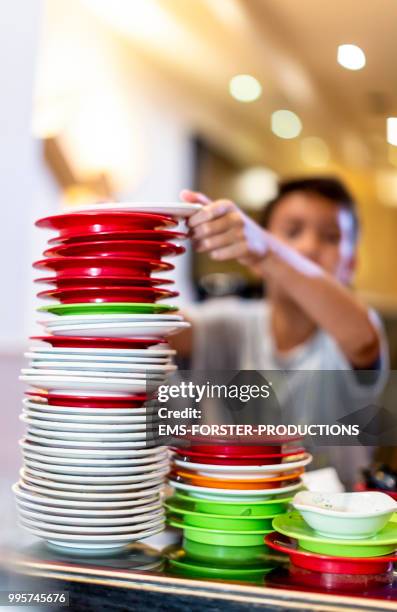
(386, 187)
(314, 152)
(392, 155)
(391, 128)
(245, 88)
(351, 57)
(285, 124)
(255, 186)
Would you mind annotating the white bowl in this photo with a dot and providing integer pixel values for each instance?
(345, 515)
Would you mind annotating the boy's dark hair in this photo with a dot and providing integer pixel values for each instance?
(328, 187)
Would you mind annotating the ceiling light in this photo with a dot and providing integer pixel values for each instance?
(255, 186)
(285, 124)
(245, 88)
(351, 57)
(391, 126)
(314, 152)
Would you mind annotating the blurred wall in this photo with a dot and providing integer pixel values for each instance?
(160, 163)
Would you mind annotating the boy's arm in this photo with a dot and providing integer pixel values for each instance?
(224, 231)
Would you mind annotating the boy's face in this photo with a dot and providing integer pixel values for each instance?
(318, 229)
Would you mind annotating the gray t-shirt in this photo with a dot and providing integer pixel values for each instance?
(235, 334)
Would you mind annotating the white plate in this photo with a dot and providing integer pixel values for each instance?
(64, 499)
(173, 209)
(134, 449)
(92, 544)
(123, 422)
(84, 368)
(92, 478)
(109, 318)
(76, 426)
(77, 485)
(82, 384)
(106, 471)
(242, 471)
(105, 352)
(30, 502)
(94, 483)
(84, 372)
(115, 413)
(93, 436)
(94, 445)
(149, 417)
(228, 494)
(90, 531)
(86, 462)
(120, 330)
(37, 357)
(93, 513)
(108, 521)
(83, 494)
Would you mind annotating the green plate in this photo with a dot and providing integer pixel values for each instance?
(216, 521)
(226, 555)
(267, 508)
(107, 308)
(293, 526)
(219, 536)
(193, 570)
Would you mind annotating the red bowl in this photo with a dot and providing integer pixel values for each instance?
(161, 235)
(98, 295)
(92, 222)
(151, 249)
(260, 459)
(106, 266)
(61, 281)
(233, 451)
(325, 563)
(90, 401)
(93, 342)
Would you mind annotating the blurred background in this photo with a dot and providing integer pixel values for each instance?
(115, 100)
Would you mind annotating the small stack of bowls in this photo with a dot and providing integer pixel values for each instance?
(344, 541)
(226, 497)
(94, 470)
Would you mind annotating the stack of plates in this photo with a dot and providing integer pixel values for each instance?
(226, 496)
(94, 470)
(344, 558)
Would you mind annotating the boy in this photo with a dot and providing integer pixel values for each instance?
(306, 255)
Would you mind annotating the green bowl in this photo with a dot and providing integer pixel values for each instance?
(344, 550)
(193, 570)
(207, 521)
(230, 555)
(268, 508)
(220, 537)
(107, 308)
(293, 526)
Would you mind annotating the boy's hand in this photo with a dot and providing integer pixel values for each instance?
(221, 229)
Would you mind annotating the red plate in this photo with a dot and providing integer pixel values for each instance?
(233, 451)
(92, 342)
(260, 459)
(90, 401)
(320, 582)
(61, 281)
(99, 295)
(162, 235)
(92, 222)
(107, 266)
(324, 563)
(153, 249)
